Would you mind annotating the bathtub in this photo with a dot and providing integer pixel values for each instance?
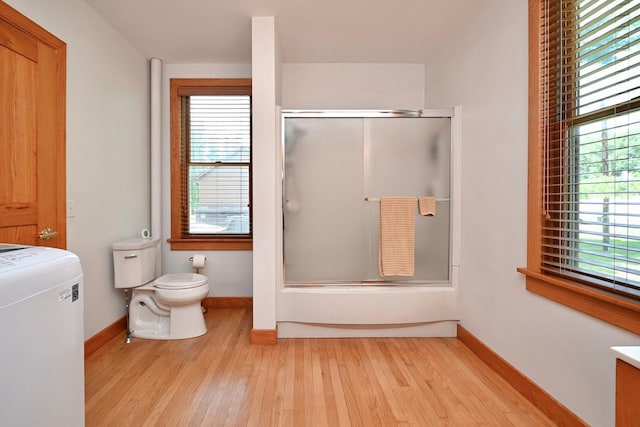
(363, 310)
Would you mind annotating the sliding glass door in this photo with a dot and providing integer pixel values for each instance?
(336, 168)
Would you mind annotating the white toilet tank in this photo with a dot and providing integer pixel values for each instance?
(134, 262)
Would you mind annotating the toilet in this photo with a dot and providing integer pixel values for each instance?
(160, 308)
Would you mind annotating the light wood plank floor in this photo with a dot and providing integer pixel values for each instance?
(221, 380)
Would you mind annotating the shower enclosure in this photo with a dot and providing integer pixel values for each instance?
(337, 166)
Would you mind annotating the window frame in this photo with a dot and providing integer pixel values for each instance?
(608, 306)
(180, 87)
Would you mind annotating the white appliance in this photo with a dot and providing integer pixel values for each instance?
(41, 337)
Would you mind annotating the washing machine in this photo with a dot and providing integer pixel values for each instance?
(41, 337)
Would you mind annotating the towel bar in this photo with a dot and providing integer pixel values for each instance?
(377, 199)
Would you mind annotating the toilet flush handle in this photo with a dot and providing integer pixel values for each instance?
(131, 256)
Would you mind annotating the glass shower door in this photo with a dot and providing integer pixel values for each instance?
(324, 234)
(331, 165)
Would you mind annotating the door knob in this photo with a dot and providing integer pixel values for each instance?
(47, 234)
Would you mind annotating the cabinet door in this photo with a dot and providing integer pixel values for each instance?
(627, 395)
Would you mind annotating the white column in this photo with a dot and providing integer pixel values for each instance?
(265, 193)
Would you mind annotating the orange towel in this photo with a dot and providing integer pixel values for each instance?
(397, 236)
(427, 206)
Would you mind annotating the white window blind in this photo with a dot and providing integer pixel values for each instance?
(217, 132)
(590, 119)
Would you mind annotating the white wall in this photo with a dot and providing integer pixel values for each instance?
(353, 86)
(229, 272)
(483, 67)
(107, 144)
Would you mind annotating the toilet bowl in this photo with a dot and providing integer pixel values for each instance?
(167, 307)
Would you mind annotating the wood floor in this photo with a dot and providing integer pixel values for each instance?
(221, 380)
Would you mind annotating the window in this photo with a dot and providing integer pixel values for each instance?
(584, 156)
(210, 164)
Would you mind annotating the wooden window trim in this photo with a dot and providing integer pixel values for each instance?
(178, 88)
(601, 304)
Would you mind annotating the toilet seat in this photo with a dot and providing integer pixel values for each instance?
(180, 281)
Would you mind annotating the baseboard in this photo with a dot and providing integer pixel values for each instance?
(227, 302)
(530, 390)
(264, 336)
(101, 338)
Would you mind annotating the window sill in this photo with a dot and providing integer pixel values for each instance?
(211, 244)
(614, 309)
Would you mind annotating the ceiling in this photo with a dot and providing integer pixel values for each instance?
(219, 31)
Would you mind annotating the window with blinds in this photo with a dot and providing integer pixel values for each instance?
(590, 125)
(211, 162)
(217, 133)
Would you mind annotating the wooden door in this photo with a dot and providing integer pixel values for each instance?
(32, 132)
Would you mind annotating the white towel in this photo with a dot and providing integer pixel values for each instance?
(397, 236)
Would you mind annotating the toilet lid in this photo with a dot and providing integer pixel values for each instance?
(180, 281)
